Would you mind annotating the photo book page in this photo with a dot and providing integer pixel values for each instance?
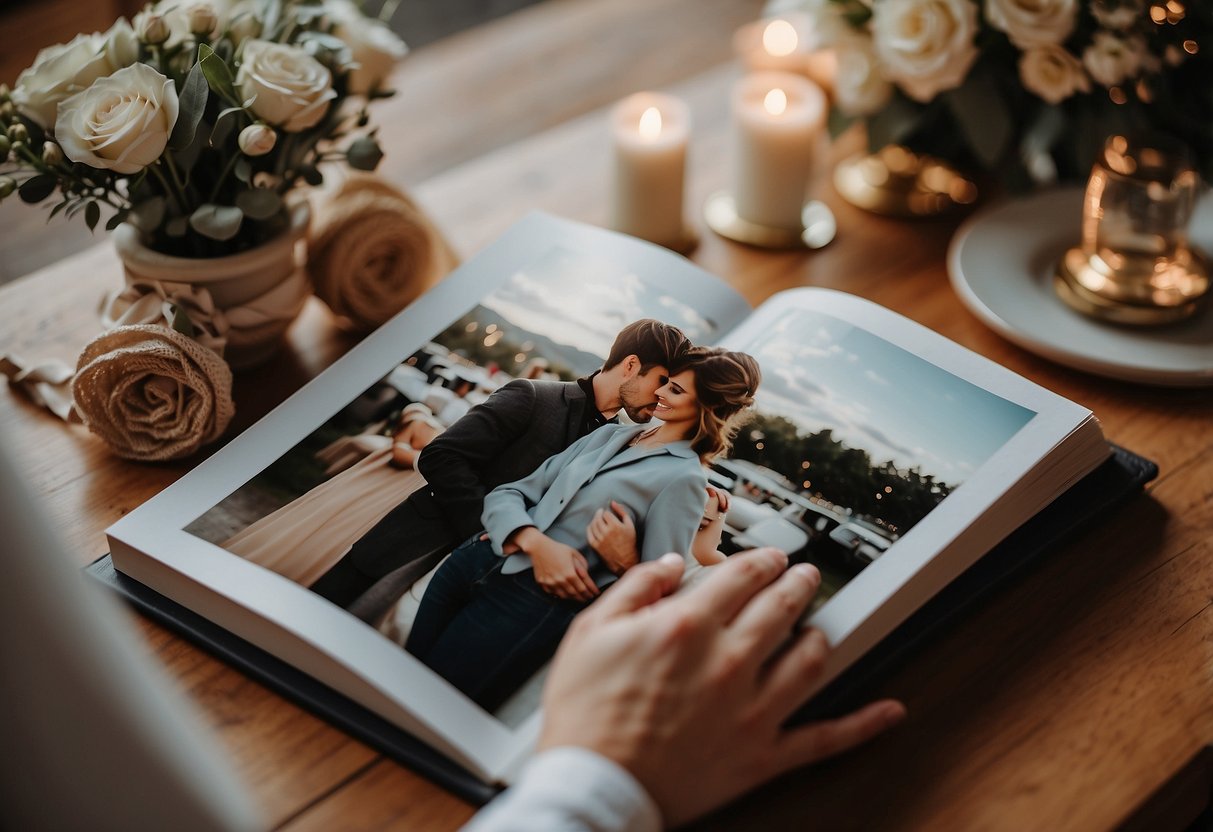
(875, 449)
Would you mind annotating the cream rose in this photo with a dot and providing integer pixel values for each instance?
(1031, 23)
(58, 72)
(1053, 73)
(925, 46)
(120, 123)
(1111, 59)
(374, 47)
(121, 45)
(292, 89)
(1117, 16)
(151, 393)
(859, 87)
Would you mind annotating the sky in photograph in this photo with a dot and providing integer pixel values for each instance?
(584, 301)
(823, 373)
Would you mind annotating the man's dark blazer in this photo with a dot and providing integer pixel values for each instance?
(499, 441)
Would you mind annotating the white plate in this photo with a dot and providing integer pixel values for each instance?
(1001, 263)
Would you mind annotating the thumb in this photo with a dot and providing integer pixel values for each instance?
(640, 586)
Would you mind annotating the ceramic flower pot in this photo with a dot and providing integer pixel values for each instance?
(258, 292)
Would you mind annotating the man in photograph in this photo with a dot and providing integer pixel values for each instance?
(501, 440)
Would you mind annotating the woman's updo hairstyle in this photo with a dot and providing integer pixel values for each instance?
(725, 382)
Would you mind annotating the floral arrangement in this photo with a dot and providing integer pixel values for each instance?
(1028, 89)
(194, 121)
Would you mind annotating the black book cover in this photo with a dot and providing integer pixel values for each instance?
(1118, 479)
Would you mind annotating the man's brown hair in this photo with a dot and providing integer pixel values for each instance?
(653, 342)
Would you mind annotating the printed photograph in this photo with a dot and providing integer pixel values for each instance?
(572, 424)
(855, 440)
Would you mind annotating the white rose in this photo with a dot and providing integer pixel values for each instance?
(374, 47)
(120, 123)
(926, 46)
(1117, 16)
(860, 88)
(1031, 23)
(58, 72)
(257, 140)
(292, 89)
(1052, 72)
(1111, 59)
(121, 45)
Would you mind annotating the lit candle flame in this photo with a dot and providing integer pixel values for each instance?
(779, 38)
(650, 124)
(775, 102)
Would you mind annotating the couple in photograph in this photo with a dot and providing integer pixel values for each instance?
(551, 499)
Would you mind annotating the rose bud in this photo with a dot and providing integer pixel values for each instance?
(257, 140)
(202, 18)
(52, 154)
(152, 28)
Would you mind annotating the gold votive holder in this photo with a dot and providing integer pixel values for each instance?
(817, 225)
(897, 182)
(1134, 265)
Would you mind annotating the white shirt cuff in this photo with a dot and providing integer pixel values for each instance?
(570, 788)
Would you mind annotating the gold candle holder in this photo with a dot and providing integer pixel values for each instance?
(1134, 265)
(817, 225)
(897, 182)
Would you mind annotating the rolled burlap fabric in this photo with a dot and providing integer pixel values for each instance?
(151, 393)
(372, 251)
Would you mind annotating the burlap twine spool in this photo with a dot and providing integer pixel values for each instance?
(151, 393)
(373, 251)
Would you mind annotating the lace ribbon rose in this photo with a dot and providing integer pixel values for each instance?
(373, 251)
(151, 393)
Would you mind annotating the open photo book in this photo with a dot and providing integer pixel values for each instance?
(891, 458)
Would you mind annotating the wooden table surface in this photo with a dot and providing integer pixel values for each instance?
(1069, 700)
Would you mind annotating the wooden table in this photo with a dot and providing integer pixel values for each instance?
(1067, 702)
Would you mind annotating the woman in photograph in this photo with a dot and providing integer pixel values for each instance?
(497, 608)
(305, 537)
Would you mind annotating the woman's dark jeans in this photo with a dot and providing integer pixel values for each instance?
(484, 632)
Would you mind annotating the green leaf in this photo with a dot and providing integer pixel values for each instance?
(37, 188)
(218, 76)
(149, 213)
(224, 122)
(56, 210)
(117, 219)
(92, 214)
(182, 322)
(312, 176)
(243, 170)
(191, 105)
(983, 117)
(177, 226)
(892, 125)
(219, 222)
(364, 153)
(259, 203)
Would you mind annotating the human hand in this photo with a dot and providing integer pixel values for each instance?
(690, 693)
(559, 569)
(613, 536)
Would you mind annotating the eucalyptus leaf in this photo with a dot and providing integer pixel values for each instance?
(92, 214)
(983, 117)
(191, 104)
(364, 153)
(219, 222)
(896, 122)
(37, 188)
(243, 170)
(224, 122)
(188, 157)
(177, 226)
(56, 210)
(312, 176)
(182, 322)
(218, 76)
(149, 213)
(117, 219)
(259, 203)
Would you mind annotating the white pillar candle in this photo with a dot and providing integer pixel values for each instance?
(777, 120)
(650, 139)
(787, 43)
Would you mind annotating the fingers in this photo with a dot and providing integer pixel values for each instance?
(583, 586)
(624, 516)
(731, 585)
(820, 740)
(641, 586)
(768, 620)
